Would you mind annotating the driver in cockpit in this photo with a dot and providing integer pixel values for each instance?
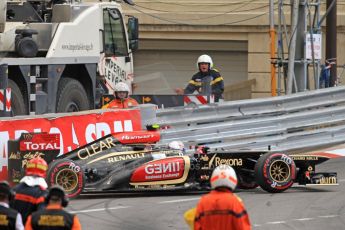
(178, 145)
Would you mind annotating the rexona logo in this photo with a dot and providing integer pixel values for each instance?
(230, 161)
(216, 161)
(159, 170)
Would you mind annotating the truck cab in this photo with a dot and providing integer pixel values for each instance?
(63, 55)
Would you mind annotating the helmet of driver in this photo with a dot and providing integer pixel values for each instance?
(224, 176)
(178, 145)
(204, 59)
(121, 87)
(36, 167)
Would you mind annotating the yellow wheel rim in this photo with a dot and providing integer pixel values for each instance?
(68, 179)
(280, 171)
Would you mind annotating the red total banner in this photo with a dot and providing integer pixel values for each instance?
(75, 129)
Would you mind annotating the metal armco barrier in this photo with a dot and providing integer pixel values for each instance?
(302, 121)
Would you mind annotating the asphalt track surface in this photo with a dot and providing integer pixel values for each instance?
(300, 207)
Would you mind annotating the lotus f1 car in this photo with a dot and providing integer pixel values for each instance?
(132, 161)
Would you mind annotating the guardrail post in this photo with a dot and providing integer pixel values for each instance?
(34, 73)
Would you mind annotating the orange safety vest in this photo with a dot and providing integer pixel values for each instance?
(120, 103)
(41, 220)
(220, 210)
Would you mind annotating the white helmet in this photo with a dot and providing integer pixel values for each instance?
(204, 59)
(176, 145)
(224, 176)
(121, 87)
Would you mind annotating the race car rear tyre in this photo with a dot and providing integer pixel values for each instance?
(68, 175)
(275, 172)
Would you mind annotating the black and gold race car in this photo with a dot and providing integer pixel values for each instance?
(132, 161)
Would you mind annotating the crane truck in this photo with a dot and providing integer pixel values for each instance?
(62, 55)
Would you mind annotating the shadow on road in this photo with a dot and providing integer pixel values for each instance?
(115, 194)
(103, 195)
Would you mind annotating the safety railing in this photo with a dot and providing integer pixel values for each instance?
(302, 121)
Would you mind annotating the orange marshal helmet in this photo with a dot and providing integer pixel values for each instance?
(36, 167)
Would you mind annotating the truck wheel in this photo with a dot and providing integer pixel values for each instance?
(68, 175)
(72, 96)
(17, 99)
(275, 172)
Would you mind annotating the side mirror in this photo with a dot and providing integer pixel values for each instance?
(113, 14)
(133, 33)
(202, 149)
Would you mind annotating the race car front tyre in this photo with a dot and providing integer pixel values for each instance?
(68, 175)
(275, 172)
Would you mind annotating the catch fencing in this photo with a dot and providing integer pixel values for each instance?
(302, 121)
